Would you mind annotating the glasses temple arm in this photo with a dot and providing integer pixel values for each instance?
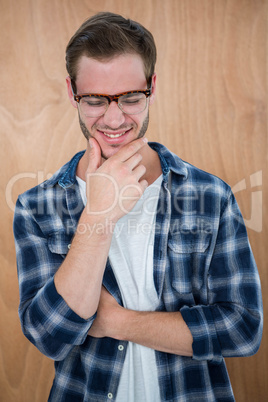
(73, 87)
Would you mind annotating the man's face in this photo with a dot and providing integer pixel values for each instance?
(120, 74)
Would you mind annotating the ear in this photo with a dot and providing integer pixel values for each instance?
(70, 92)
(152, 97)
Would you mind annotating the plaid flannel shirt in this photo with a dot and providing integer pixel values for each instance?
(203, 267)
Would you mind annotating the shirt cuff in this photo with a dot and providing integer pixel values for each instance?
(200, 321)
(50, 310)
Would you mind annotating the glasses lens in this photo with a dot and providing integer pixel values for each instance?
(132, 103)
(92, 106)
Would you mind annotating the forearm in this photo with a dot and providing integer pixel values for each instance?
(79, 278)
(163, 331)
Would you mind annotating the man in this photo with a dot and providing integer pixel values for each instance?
(135, 271)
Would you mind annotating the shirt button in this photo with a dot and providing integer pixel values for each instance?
(121, 347)
(110, 396)
(69, 246)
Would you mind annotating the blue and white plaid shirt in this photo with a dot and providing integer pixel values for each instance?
(203, 267)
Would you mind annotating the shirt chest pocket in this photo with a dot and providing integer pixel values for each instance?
(187, 255)
(59, 243)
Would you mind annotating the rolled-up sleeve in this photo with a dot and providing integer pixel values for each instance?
(231, 323)
(46, 319)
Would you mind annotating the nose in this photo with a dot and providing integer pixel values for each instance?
(113, 116)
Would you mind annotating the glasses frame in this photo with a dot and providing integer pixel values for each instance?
(113, 98)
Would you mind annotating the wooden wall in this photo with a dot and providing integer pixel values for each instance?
(210, 110)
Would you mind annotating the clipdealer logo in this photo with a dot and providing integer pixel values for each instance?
(254, 222)
(256, 213)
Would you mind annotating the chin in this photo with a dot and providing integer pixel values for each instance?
(112, 150)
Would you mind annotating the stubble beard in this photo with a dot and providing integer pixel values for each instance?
(88, 135)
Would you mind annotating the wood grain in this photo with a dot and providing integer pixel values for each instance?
(210, 109)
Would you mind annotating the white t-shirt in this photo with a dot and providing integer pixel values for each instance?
(131, 257)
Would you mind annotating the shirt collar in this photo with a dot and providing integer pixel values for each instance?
(66, 176)
(169, 161)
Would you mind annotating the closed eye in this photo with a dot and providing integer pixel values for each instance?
(95, 102)
(131, 99)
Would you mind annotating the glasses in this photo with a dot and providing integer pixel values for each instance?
(96, 105)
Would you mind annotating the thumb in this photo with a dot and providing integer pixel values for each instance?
(94, 156)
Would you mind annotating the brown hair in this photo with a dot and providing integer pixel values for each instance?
(106, 35)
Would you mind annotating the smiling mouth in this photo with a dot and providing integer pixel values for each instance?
(114, 135)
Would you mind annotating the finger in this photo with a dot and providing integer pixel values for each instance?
(139, 171)
(133, 161)
(130, 149)
(94, 156)
(144, 185)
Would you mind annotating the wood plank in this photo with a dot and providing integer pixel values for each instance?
(210, 109)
